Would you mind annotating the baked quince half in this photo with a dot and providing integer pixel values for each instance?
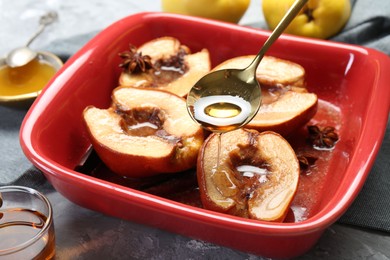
(255, 177)
(145, 132)
(286, 104)
(164, 63)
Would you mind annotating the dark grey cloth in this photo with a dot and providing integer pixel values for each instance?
(12, 160)
(369, 26)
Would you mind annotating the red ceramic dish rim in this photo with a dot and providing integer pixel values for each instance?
(361, 163)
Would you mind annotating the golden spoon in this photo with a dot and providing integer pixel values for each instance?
(228, 99)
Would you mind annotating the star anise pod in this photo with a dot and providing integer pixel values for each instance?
(134, 61)
(322, 137)
(306, 160)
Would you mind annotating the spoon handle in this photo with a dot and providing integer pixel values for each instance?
(286, 20)
(46, 19)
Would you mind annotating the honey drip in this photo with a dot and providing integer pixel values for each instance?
(219, 150)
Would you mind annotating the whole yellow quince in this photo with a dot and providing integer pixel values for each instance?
(318, 19)
(225, 10)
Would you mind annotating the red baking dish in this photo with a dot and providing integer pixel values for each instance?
(350, 81)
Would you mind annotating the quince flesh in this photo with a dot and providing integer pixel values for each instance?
(263, 194)
(318, 19)
(145, 132)
(170, 79)
(286, 103)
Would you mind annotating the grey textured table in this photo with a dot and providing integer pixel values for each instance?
(85, 234)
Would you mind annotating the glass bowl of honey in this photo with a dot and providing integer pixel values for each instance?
(26, 224)
(21, 85)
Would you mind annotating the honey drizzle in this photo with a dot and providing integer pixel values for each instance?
(219, 135)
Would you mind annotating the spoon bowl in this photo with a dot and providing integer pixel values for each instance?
(221, 88)
(228, 99)
(20, 56)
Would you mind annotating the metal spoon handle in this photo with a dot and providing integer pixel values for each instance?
(286, 20)
(46, 19)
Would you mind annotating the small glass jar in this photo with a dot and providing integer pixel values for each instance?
(26, 224)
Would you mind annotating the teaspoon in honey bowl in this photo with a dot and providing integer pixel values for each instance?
(21, 56)
(228, 99)
(24, 72)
